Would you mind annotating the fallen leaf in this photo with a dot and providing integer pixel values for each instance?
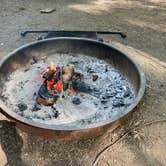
(47, 10)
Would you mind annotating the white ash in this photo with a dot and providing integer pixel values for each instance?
(111, 92)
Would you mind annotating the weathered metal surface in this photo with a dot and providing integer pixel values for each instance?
(71, 45)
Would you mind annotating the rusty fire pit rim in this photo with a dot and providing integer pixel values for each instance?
(14, 116)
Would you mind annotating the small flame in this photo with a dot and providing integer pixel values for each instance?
(52, 65)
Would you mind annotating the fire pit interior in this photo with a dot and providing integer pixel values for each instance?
(75, 83)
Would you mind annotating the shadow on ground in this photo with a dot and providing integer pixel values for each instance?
(11, 143)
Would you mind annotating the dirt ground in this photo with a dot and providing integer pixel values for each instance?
(144, 21)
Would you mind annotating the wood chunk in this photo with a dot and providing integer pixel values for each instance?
(46, 102)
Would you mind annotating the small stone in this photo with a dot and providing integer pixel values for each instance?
(21, 8)
(95, 77)
(76, 101)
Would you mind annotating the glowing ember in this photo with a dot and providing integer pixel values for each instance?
(56, 80)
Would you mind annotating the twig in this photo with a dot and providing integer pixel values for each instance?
(123, 136)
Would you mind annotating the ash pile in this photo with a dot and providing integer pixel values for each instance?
(79, 90)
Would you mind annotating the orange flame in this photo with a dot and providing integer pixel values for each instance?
(58, 86)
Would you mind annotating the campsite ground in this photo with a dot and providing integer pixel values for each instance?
(145, 25)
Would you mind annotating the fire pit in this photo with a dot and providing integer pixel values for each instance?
(87, 87)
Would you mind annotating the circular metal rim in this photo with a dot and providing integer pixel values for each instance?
(63, 127)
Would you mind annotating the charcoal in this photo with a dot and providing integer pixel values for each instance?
(44, 58)
(104, 97)
(77, 77)
(55, 112)
(121, 88)
(119, 96)
(95, 92)
(75, 63)
(35, 60)
(109, 95)
(26, 70)
(82, 87)
(49, 75)
(21, 84)
(131, 96)
(106, 69)
(127, 93)
(104, 101)
(118, 103)
(95, 103)
(37, 107)
(4, 98)
(90, 70)
(76, 101)
(65, 86)
(35, 94)
(43, 93)
(22, 106)
(95, 77)
(110, 85)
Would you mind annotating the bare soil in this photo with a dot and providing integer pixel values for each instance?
(144, 23)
